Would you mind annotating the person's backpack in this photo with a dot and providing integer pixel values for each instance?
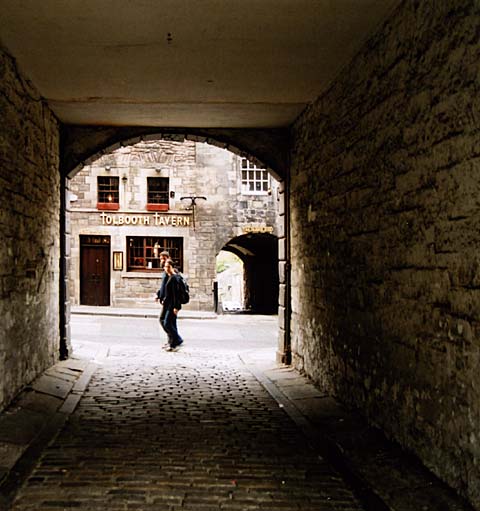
(183, 289)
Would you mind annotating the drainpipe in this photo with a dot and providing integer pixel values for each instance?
(64, 341)
(288, 268)
(284, 355)
(65, 348)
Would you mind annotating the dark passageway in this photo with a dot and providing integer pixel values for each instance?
(367, 112)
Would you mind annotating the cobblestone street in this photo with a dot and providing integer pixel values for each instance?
(192, 430)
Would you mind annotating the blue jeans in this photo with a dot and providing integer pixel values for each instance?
(161, 319)
(169, 323)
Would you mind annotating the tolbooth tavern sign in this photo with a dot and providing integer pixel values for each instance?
(175, 220)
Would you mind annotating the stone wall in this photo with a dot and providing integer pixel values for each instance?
(385, 226)
(193, 169)
(29, 230)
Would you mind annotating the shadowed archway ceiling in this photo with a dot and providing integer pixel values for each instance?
(197, 63)
(253, 245)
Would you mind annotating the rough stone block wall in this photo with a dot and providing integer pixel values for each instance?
(385, 196)
(29, 231)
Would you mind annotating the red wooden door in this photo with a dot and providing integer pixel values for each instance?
(95, 275)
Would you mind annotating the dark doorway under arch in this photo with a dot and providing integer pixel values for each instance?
(259, 253)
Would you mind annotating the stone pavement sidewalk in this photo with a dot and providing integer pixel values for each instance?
(33, 418)
(138, 312)
(247, 448)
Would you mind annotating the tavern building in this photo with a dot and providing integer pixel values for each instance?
(189, 198)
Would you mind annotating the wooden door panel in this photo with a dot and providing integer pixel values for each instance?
(95, 275)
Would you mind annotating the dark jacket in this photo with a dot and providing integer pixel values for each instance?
(171, 298)
(161, 291)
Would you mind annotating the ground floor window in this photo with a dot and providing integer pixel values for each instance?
(143, 253)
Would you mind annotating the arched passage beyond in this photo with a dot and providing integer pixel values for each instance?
(259, 253)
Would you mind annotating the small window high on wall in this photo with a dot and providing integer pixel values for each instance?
(255, 180)
(108, 194)
(143, 253)
(157, 193)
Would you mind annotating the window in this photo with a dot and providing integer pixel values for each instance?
(107, 192)
(255, 180)
(143, 253)
(157, 194)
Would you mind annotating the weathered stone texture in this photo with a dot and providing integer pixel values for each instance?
(385, 196)
(29, 230)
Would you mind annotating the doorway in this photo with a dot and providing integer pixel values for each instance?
(95, 270)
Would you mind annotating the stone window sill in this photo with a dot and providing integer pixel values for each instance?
(142, 275)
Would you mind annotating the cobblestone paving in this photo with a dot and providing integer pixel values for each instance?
(180, 431)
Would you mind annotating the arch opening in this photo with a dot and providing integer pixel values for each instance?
(259, 255)
(229, 293)
(113, 202)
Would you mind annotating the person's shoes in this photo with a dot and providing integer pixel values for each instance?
(175, 347)
(167, 344)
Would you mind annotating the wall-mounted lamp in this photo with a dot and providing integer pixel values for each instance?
(107, 168)
(172, 194)
(124, 179)
(158, 169)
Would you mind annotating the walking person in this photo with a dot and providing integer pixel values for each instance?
(171, 306)
(164, 256)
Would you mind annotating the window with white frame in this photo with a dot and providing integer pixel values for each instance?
(255, 180)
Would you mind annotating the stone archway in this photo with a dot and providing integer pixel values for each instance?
(267, 147)
(259, 253)
(81, 144)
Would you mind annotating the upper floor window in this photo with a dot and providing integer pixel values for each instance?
(157, 193)
(255, 180)
(108, 195)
